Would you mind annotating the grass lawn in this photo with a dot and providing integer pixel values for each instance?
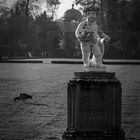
(45, 116)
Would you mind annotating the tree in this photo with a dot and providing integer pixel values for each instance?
(87, 2)
(135, 24)
(46, 24)
(52, 6)
(2, 3)
(94, 3)
(29, 7)
(4, 11)
(26, 9)
(20, 25)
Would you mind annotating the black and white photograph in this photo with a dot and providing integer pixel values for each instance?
(69, 69)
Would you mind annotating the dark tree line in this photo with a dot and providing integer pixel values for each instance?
(123, 14)
(121, 20)
(22, 29)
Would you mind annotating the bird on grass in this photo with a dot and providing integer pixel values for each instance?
(23, 97)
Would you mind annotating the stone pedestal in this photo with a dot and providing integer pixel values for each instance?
(94, 107)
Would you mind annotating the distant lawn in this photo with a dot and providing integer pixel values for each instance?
(45, 117)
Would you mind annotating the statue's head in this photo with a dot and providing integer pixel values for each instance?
(91, 12)
(90, 8)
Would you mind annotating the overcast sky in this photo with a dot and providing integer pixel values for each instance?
(65, 5)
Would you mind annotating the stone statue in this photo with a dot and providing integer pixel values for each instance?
(91, 40)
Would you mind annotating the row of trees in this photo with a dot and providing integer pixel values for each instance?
(121, 19)
(24, 23)
(120, 14)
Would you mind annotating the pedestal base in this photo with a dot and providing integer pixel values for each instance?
(94, 107)
(80, 135)
(95, 69)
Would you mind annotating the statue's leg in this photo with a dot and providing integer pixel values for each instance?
(85, 54)
(101, 45)
(98, 54)
(92, 60)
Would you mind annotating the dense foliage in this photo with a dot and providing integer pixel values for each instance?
(22, 27)
(119, 14)
(120, 19)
